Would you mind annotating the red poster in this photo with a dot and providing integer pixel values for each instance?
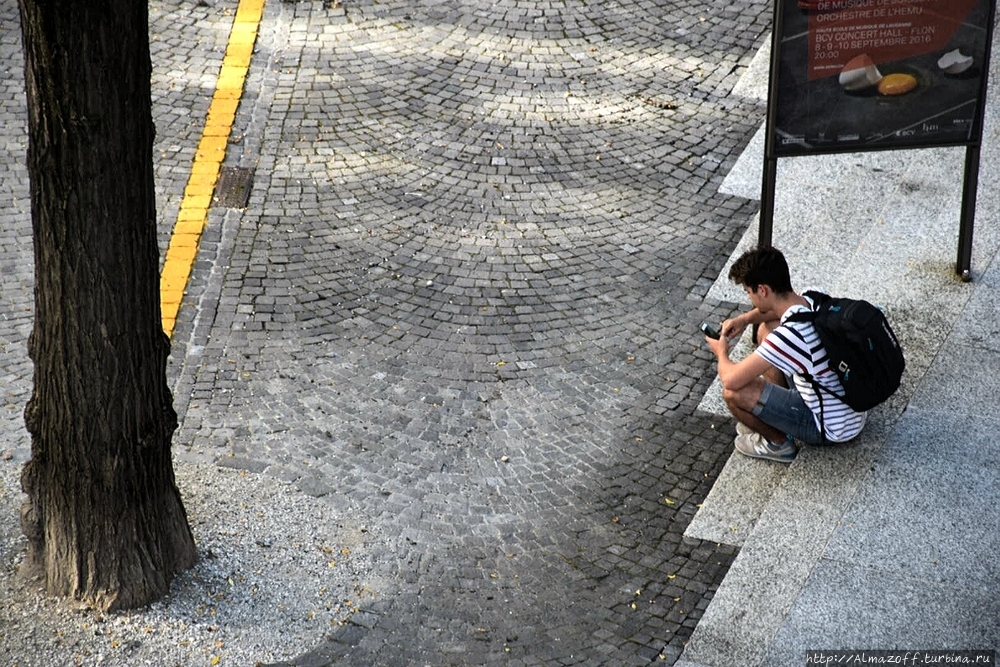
(874, 74)
(881, 30)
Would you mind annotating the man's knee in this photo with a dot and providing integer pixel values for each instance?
(762, 330)
(744, 399)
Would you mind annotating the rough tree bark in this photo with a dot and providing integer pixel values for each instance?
(104, 519)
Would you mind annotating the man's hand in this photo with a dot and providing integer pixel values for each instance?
(718, 346)
(732, 328)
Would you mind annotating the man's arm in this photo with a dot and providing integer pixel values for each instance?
(733, 327)
(736, 375)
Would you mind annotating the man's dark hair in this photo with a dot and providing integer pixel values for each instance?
(762, 266)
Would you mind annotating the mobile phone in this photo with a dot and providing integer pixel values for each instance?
(710, 331)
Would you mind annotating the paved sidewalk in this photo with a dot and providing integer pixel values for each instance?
(462, 305)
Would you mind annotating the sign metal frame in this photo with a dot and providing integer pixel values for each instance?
(778, 95)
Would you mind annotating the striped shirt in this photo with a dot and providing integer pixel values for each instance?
(795, 349)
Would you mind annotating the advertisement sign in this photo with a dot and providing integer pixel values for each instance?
(854, 75)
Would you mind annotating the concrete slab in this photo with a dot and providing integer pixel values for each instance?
(744, 179)
(851, 607)
(733, 507)
(753, 83)
(965, 379)
(778, 557)
(979, 326)
(928, 509)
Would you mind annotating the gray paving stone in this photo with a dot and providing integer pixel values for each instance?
(461, 302)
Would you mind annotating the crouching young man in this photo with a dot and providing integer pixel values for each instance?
(768, 392)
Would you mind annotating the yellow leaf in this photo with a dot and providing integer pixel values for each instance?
(215, 659)
(669, 501)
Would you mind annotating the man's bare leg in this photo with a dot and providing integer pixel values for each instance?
(741, 404)
(744, 414)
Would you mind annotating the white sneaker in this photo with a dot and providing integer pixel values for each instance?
(757, 446)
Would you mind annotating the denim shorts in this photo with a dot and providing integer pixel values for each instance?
(785, 410)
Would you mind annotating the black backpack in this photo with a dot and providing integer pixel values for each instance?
(864, 352)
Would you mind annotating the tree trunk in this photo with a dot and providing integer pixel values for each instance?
(104, 519)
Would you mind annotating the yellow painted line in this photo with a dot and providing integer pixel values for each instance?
(193, 214)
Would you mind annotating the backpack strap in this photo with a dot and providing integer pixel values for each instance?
(817, 298)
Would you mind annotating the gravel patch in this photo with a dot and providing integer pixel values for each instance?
(276, 571)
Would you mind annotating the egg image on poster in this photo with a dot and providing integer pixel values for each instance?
(897, 84)
(954, 62)
(859, 73)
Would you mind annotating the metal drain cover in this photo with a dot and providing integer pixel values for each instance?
(233, 187)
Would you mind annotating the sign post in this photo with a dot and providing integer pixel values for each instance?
(865, 75)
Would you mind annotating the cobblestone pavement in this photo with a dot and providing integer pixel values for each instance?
(462, 303)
